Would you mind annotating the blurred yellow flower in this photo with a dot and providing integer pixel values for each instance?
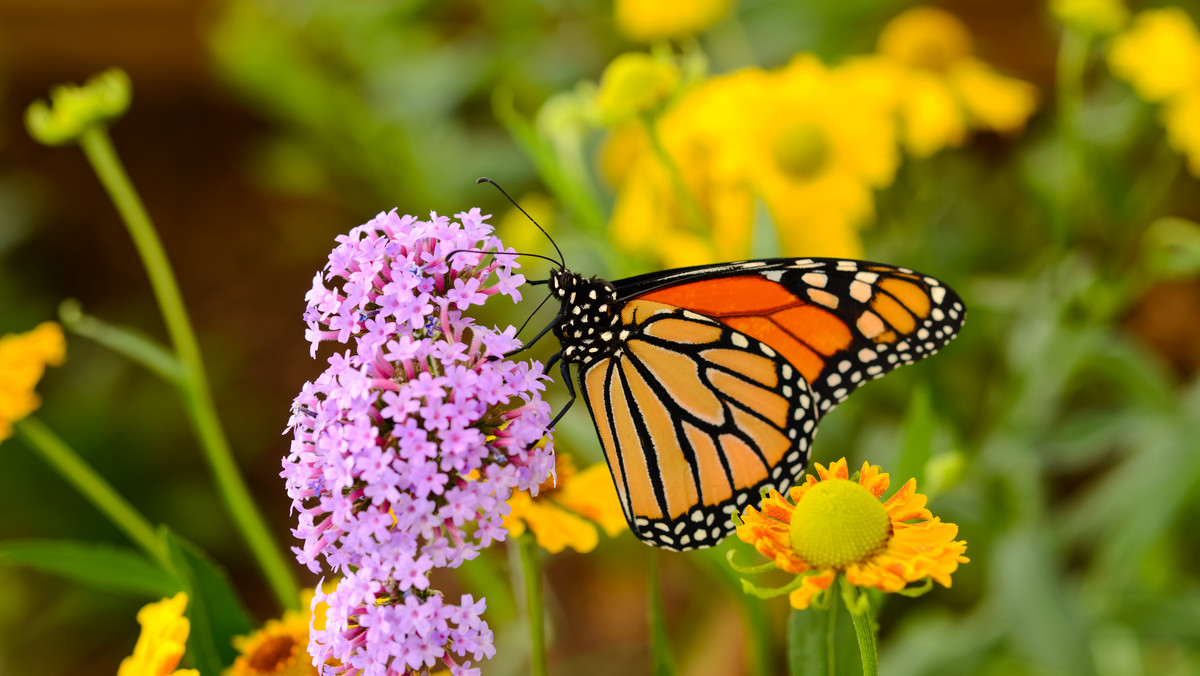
(838, 525)
(1181, 116)
(798, 140)
(815, 153)
(161, 643)
(939, 90)
(1093, 17)
(556, 515)
(1159, 54)
(651, 20)
(23, 359)
(635, 83)
(280, 647)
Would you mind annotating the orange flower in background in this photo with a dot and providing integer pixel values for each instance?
(23, 359)
(566, 509)
(926, 69)
(651, 20)
(161, 643)
(837, 525)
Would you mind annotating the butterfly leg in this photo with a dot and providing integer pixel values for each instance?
(536, 338)
(566, 373)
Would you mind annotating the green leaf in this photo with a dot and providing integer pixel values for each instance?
(1171, 247)
(215, 612)
(97, 565)
(916, 447)
(816, 649)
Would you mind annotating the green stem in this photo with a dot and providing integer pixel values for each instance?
(660, 646)
(860, 611)
(94, 487)
(531, 564)
(192, 384)
(1071, 67)
(831, 640)
(693, 214)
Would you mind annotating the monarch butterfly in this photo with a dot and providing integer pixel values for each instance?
(706, 383)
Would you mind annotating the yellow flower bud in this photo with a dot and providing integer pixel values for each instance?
(633, 84)
(1093, 17)
(651, 20)
(73, 109)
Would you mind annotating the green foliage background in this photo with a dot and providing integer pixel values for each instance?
(1061, 431)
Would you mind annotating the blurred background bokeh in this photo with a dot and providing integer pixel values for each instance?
(1062, 427)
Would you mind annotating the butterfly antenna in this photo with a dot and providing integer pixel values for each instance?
(500, 253)
(562, 262)
(533, 314)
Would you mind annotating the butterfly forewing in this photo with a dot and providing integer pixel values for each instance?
(839, 322)
(695, 419)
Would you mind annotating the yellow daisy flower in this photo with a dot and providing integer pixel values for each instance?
(1159, 54)
(161, 643)
(23, 359)
(815, 154)
(797, 139)
(938, 88)
(651, 20)
(837, 525)
(280, 647)
(556, 515)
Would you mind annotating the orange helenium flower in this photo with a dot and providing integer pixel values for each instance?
(838, 525)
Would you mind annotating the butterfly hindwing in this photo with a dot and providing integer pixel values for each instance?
(695, 419)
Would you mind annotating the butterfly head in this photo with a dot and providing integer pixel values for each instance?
(589, 326)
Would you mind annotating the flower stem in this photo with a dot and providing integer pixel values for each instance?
(860, 611)
(660, 645)
(192, 384)
(692, 213)
(531, 564)
(94, 487)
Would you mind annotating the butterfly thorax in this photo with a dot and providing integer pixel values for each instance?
(589, 323)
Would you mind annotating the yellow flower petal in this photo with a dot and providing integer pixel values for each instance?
(591, 494)
(651, 20)
(925, 37)
(162, 641)
(811, 586)
(1181, 116)
(1159, 54)
(994, 101)
(23, 360)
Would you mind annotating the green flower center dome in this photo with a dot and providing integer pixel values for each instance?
(802, 149)
(838, 522)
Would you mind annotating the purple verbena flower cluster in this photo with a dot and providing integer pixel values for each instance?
(408, 446)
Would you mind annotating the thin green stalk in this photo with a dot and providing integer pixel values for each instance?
(692, 213)
(831, 640)
(192, 383)
(531, 565)
(1071, 67)
(662, 663)
(94, 487)
(860, 611)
